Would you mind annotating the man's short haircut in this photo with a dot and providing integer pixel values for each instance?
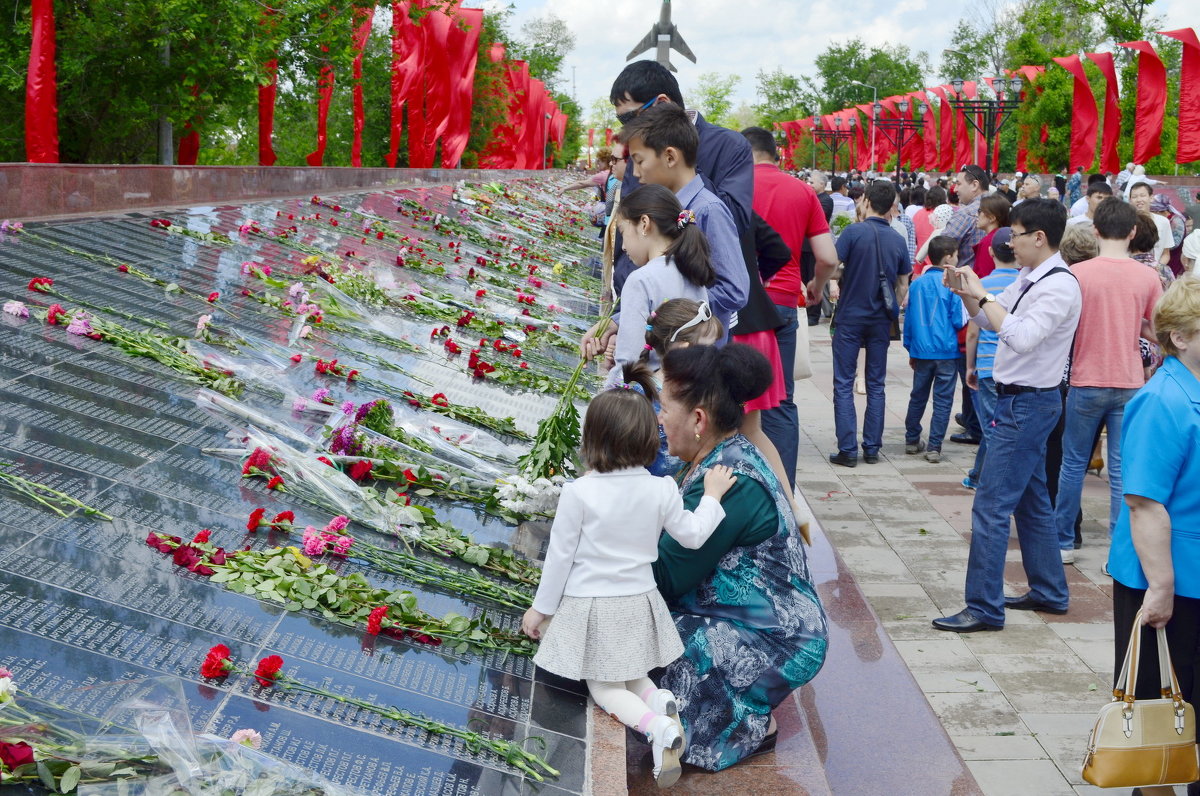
(1100, 187)
(819, 180)
(664, 125)
(642, 81)
(856, 191)
(1078, 244)
(881, 196)
(941, 247)
(761, 142)
(1045, 214)
(1093, 179)
(976, 174)
(1137, 186)
(1114, 219)
(838, 183)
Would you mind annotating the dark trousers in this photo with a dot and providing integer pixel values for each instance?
(970, 420)
(1183, 638)
(782, 424)
(848, 340)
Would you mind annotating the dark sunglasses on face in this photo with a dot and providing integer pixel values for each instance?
(629, 116)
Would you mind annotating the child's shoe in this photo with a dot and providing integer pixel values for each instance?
(664, 703)
(666, 744)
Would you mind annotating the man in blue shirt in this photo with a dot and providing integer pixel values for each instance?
(867, 250)
(981, 348)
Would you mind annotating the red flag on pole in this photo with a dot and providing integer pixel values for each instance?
(41, 88)
(429, 102)
(1188, 148)
(962, 147)
(406, 70)
(946, 125)
(359, 33)
(266, 116)
(1109, 159)
(930, 155)
(324, 96)
(1151, 102)
(1084, 116)
(464, 53)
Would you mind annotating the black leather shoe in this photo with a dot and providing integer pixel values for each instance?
(964, 622)
(964, 439)
(871, 458)
(844, 459)
(958, 418)
(1026, 603)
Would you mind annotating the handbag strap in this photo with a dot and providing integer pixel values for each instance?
(1123, 690)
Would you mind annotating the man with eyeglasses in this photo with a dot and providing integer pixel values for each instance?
(1035, 318)
(723, 160)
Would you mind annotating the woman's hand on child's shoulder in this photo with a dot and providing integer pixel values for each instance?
(717, 481)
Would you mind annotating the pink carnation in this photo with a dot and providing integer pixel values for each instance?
(342, 545)
(16, 308)
(314, 543)
(338, 524)
(248, 738)
(80, 325)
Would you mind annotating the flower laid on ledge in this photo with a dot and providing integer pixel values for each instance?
(269, 673)
(41, 284)
(333, 368)
(59, 502)
(16, 308)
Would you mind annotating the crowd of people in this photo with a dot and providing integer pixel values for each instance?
(1065, 311)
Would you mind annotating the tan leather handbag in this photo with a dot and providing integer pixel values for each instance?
(1139, 743)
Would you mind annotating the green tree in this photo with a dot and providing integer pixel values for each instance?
(892, 69)
(713, 96)
(785, 98)
(545, 42)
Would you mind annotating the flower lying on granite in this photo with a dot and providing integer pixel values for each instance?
(268, 670)
(16, 308)
(202, 324)
(248, 738)
(41, 284)
(217, 662)
(81, 325)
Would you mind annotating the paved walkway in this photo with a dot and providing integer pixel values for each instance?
(1017, 704)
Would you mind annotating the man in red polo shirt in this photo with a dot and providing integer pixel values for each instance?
(793, 210)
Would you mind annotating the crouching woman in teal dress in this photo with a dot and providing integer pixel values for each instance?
(744, 604)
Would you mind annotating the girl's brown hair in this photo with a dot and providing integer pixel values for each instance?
(997, 207)
(668, 319)
(620, 428)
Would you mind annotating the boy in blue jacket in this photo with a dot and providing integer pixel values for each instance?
(931, 336)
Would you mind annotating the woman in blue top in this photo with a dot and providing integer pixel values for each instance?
(1155, 555)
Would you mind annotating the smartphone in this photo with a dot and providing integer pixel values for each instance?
(954, 280)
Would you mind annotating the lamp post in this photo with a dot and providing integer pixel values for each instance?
(832, 138)
(899, 131)
(874, 102)
(994, 112)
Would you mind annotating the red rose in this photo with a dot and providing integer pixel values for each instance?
(323, 459)
(216, 663)
(213, 296)
(297, 357)
(123, 268)
(275, 483)
(282, 517)
(410, 476)
(202, 537)
(360, 470)
(15, 754)
(375, 620)
(268, 670)
(185, 556)
(256, 520)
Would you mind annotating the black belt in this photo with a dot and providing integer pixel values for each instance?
(1017, 389)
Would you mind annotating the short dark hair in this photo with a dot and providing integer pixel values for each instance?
(837, 183)
(761, 141)
(1096, 178)
(940, 247)
(917, 195)
(620, 428)
(664, 125)
(1146, 235)
(881, 196)
(1100, 187)
(1047, 215)
(977, 174)
(642, 81)
(1142, 184)
(997, 206)
(856, 191)
(1114, 219)
(935, 197)
(719, 380)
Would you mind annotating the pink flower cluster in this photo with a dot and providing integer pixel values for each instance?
(317, 542)
(16, 308)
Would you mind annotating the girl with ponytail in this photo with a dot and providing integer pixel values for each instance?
(673, 261)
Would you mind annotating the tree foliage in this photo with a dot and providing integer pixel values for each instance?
(891, 69)
(784, 98)
(713, 95)
(545, 43)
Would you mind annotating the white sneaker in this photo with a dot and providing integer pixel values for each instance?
(666, 743)
(1068, 556)
(662, 702)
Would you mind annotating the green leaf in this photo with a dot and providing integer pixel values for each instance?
(70, 779)
(46, 777)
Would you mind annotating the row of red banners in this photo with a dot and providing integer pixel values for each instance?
(432, 87)
(943, 141)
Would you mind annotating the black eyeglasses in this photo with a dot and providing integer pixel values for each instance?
(629, 116)
(1027, 232)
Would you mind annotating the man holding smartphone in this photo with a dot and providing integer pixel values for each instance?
(1035, 319)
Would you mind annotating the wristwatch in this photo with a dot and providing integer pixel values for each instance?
(989, 297)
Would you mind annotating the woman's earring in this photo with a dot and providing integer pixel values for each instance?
(697, 438)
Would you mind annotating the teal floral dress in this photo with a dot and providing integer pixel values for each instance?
(752, 626)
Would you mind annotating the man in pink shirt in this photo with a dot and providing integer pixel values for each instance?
(1119, 295)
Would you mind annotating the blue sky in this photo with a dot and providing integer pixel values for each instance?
(741, 37)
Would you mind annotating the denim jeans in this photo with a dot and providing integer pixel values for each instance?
(848, 340)
(1087, 408)
(1013, 484)
(970, 419)
(782, 424)
(939, 376)
(984, 400)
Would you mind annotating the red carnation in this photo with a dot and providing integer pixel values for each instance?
(216, 663)
(275, 483)
(323, 459)
(282, 517)
(524, 366)
(268, 670)
(123, 268)
(213, 296)
(201, 537)
(41, 284)
(54, 313)
(352, 375)
(15, 754)
(410, 476)
(297, 357)
(480, 293)
(452, 347)
(360, 470)
(440, 399)
(256, 520)
(375, 620)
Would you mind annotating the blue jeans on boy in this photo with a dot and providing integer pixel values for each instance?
(848, 340)
(782, 424)
(938, 375)
(1087, 408)
(984, 400)
(1013, 484)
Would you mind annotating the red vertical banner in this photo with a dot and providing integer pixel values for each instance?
(189, 141)
(1109, 159)
(1151, 102)
(915, 149)
(863, 161)
(533, 134)
(266, 116)
(945, 119)
(1084, 117)
(324, 97)
(359, 32)
(1188, 148)
(930, 155)
(591, 143)
(429, 102)
(608, 136)
(41, 88)
(498, 153)
(519, 75)
(963, 152)
(464, 52)
(406, 70)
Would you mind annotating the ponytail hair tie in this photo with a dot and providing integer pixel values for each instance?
(684, 218)
(648, 347)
